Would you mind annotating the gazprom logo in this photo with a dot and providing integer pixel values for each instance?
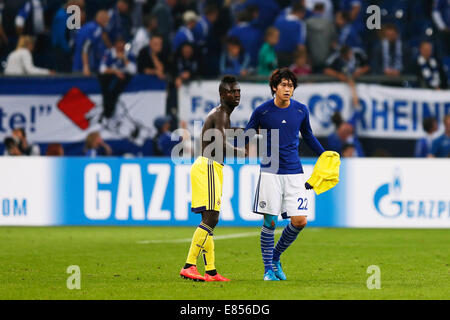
(322, 108)
(389, 191)
(390, 201)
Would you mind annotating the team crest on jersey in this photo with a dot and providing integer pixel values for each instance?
(218, 202)
(262, 204)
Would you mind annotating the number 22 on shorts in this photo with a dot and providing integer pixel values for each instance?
(303, 203)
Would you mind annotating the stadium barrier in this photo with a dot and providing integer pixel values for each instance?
(41, 191)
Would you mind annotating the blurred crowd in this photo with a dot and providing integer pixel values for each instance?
(181, 40)
(178, 40)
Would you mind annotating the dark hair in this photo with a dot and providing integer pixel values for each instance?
(148, 19)
(346, 16)
(252, 9)
(346, 146)
(9, 143)
(427, 124)
(278, 75)
(233, 40)
(226, 79)
(344, 50)
(243, 16)
(157, 34)
(210, 7)
(319, 7)
(337, 119)
(298, 7)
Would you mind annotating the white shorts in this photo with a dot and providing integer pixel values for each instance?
(283, 194)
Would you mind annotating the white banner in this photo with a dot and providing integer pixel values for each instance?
(385, 112)
(72, 108)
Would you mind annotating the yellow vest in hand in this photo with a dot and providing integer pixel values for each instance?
(326, 172)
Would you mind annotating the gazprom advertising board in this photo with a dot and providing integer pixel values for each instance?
(39, 191)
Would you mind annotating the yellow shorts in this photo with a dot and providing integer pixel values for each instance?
(206, 185)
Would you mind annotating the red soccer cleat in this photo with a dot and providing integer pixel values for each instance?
(192, 274)
(217, 277)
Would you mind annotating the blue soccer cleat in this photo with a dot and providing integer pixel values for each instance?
(270, 276)
(278, 270)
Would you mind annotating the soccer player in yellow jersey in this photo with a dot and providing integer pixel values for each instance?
(206, 181)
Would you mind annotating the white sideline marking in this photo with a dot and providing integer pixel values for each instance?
(223, 237)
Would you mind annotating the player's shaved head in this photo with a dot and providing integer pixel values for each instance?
(229, 90)
(226, 82)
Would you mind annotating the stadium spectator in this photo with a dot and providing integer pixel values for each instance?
(163, 143)
(203, 28)
(165, 21)
(288, 7)
(63, 39)
(347, 64)
(3, 36)
(137, 15)
(208, 39)
(185, 32)
(119, 24)
(20, 61)
(26, 148)
(90, 45)
(185, 64)
(267, 12)
(423, 145)
(250, 37)
(234, 61)
(321, 38)
(441, 146)
(428, 69)
(390, 53)
(116, 70)
(328, 7)
(95, 146)
(143, 34)
(11, 147)
(292, 34)
(151, 60)
(267, 57)
(441, 19)
(181, 7)
(354, 10)
(348, 151)
(343, 135)
(55, 150)
(30, 18)
(300, 67)
(348, 35)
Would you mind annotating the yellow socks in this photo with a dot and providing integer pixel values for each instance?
(202, 241)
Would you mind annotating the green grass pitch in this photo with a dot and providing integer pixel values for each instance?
(144, 262)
